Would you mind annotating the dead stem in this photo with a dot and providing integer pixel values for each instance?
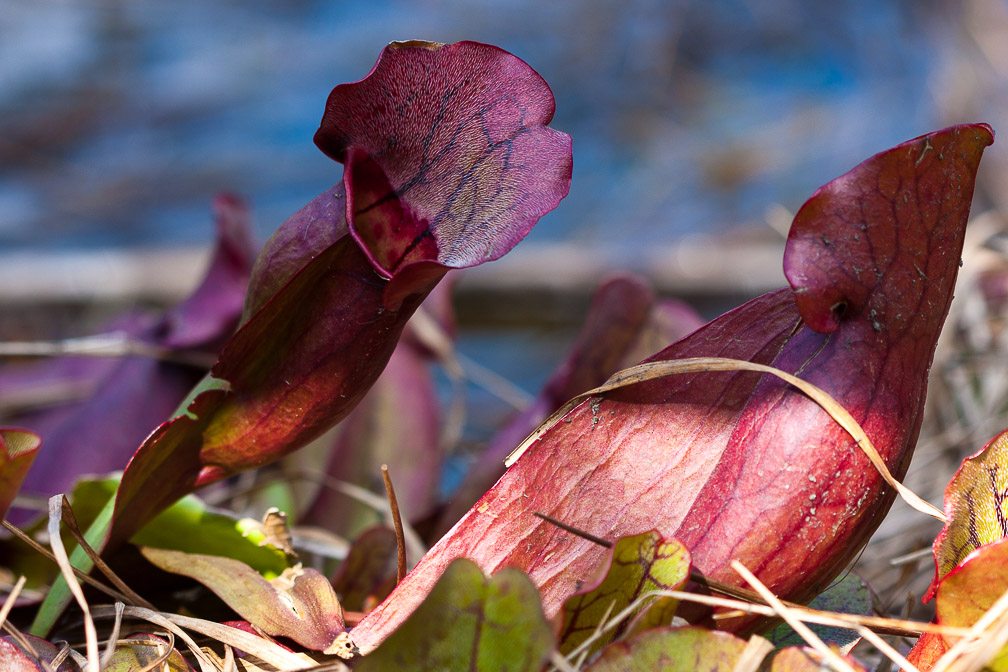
(397, 522)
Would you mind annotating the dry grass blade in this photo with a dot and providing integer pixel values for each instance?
(600, 629)
(414, 544)
(605, 625)
(229, 659)
(431, 334)
(494, 383)
(261, 648)
(752, 656)
(41, 550)
(67, 652)
(23, 642)
(159, 619)
(113, 344)
(889, 626)
(11, 599)
(850, 621)
(829, 655)
(70, 520)
(654, 370)
(397, 525)
(56, 542)
(886, 650)
(981, 643)
(113, 638)
(560, 663)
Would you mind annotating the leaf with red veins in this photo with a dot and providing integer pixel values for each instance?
(971, 588)
(454, 171)
(639, 565)
(740, 465)
(976, 508)
(971, 551)
(448, 164)
(18, 448)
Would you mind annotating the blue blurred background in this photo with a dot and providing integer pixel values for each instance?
(120, 119)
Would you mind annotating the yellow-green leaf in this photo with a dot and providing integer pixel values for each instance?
(686, 649)
(972, 588)
(143, 650)
(300, 603)
(638, 565)
(976, 505)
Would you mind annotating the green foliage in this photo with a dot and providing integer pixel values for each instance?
(639, 565)
(470, 622)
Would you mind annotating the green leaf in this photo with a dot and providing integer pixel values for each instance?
(141, 651)
(188, 525)
(59, 595)
(849, 595)
(470, 622)
(191, 526)
(686, 649)
(638, 565)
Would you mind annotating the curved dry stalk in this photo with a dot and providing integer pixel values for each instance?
(154, 664)
(653, 370)
(113, 638)
(41, 550)
(397, 525)
(263, 649)
(894, 626)
(56, 542)
(414, 543)
(11, 599)
(71, 522)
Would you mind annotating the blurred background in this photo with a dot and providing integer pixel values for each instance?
(120, 120)
(698, 127)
